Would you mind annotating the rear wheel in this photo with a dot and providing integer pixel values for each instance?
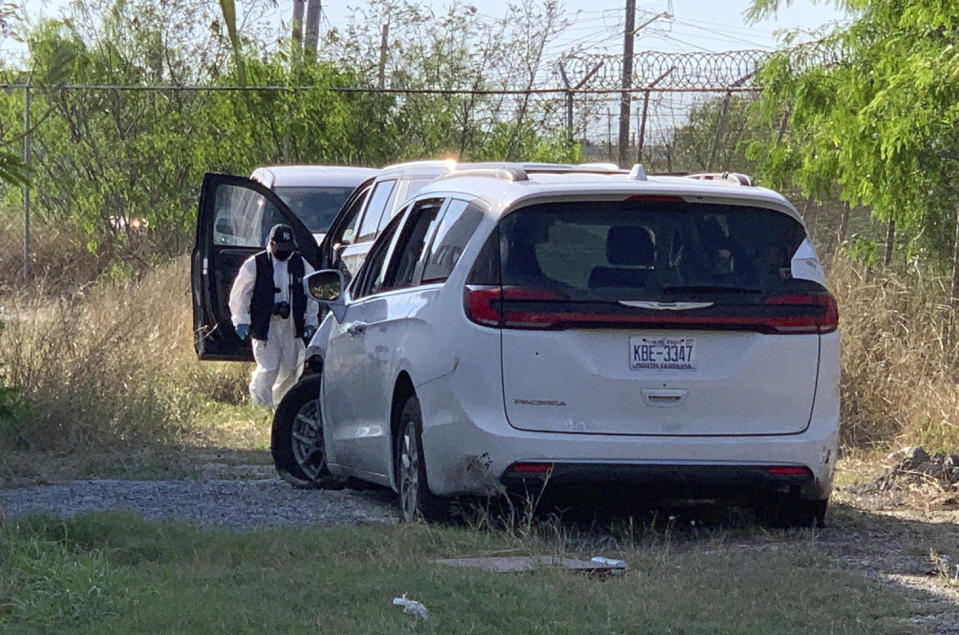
(415, 496)
(297, 444)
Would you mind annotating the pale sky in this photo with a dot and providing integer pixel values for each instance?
(697, 25)
(711, 25)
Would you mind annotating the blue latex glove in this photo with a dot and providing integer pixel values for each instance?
(308, 332)
(243, 331)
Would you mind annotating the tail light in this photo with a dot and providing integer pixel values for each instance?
(521, 308)
(484, 305)
(803, 313)
(789, 470)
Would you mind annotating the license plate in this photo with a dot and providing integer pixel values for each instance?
(661, 353)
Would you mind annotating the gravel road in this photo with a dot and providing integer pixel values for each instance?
(234, 504)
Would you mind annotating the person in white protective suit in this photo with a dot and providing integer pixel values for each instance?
(269, 303)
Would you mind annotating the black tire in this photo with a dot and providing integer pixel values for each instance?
(790, 511)
(297, 438)
(415, 497)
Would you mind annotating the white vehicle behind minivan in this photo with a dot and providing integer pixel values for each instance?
(313, 193)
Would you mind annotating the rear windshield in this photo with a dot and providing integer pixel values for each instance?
(668, 251)
(316, 207)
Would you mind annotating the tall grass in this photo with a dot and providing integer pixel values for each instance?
(900, 365)
(115, 365)
(48, 586)
(111, 366)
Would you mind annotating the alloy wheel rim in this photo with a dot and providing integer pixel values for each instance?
(307, 441)
(409, 471)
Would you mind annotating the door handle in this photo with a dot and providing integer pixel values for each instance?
(356, 328)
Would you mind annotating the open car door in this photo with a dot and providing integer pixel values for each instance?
(233, 223)
(342, 231)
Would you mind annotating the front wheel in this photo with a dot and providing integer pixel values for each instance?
(297, 443)
(415, 496)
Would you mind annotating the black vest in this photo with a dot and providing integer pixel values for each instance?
(261, 306)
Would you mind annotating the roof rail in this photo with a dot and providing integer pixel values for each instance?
(430, 163)
(599, 165)
(734, 178)
(508, 173)
(637, 173)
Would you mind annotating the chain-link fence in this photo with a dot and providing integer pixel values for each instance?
(123, 163)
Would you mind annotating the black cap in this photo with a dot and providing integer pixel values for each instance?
(282, 237)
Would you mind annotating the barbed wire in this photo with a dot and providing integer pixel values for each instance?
(653, 71)
(667, 71)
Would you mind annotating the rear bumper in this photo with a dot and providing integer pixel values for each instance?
(467, 458)
(665, 480)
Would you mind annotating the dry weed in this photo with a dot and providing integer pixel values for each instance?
(59, 260)
(110, 366)
(115, 363)
(900, 370)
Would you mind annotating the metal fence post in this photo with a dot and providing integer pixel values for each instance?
(26, 187)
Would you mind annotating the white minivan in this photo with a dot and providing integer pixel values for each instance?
(667, 333)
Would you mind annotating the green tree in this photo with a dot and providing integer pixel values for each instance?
(108, 158)
(716, 135)
(880, 123)
(458, 50)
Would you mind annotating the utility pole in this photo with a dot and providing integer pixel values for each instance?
(629, 37)
(26, 188)
(384, 47)
(628, 41)
(299, 8)
(312, 36)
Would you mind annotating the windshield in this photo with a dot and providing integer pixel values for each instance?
(315, 206)
(648, 250)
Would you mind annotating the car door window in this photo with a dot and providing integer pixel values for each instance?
(459, 222)
(380, 199)
(370, 276)
(243, 218)
(412, 243)
(347, 232)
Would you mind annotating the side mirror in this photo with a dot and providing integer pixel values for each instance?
(327, 286)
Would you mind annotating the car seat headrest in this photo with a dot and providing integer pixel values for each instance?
(630, 246)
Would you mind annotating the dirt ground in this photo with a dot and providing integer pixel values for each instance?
(905, 535)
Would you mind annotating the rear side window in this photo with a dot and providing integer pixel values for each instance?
(380, 199)
(608, 251)
(347, 231)
(315, 206)
(371, 274)
(459, 222)
(411, 244)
